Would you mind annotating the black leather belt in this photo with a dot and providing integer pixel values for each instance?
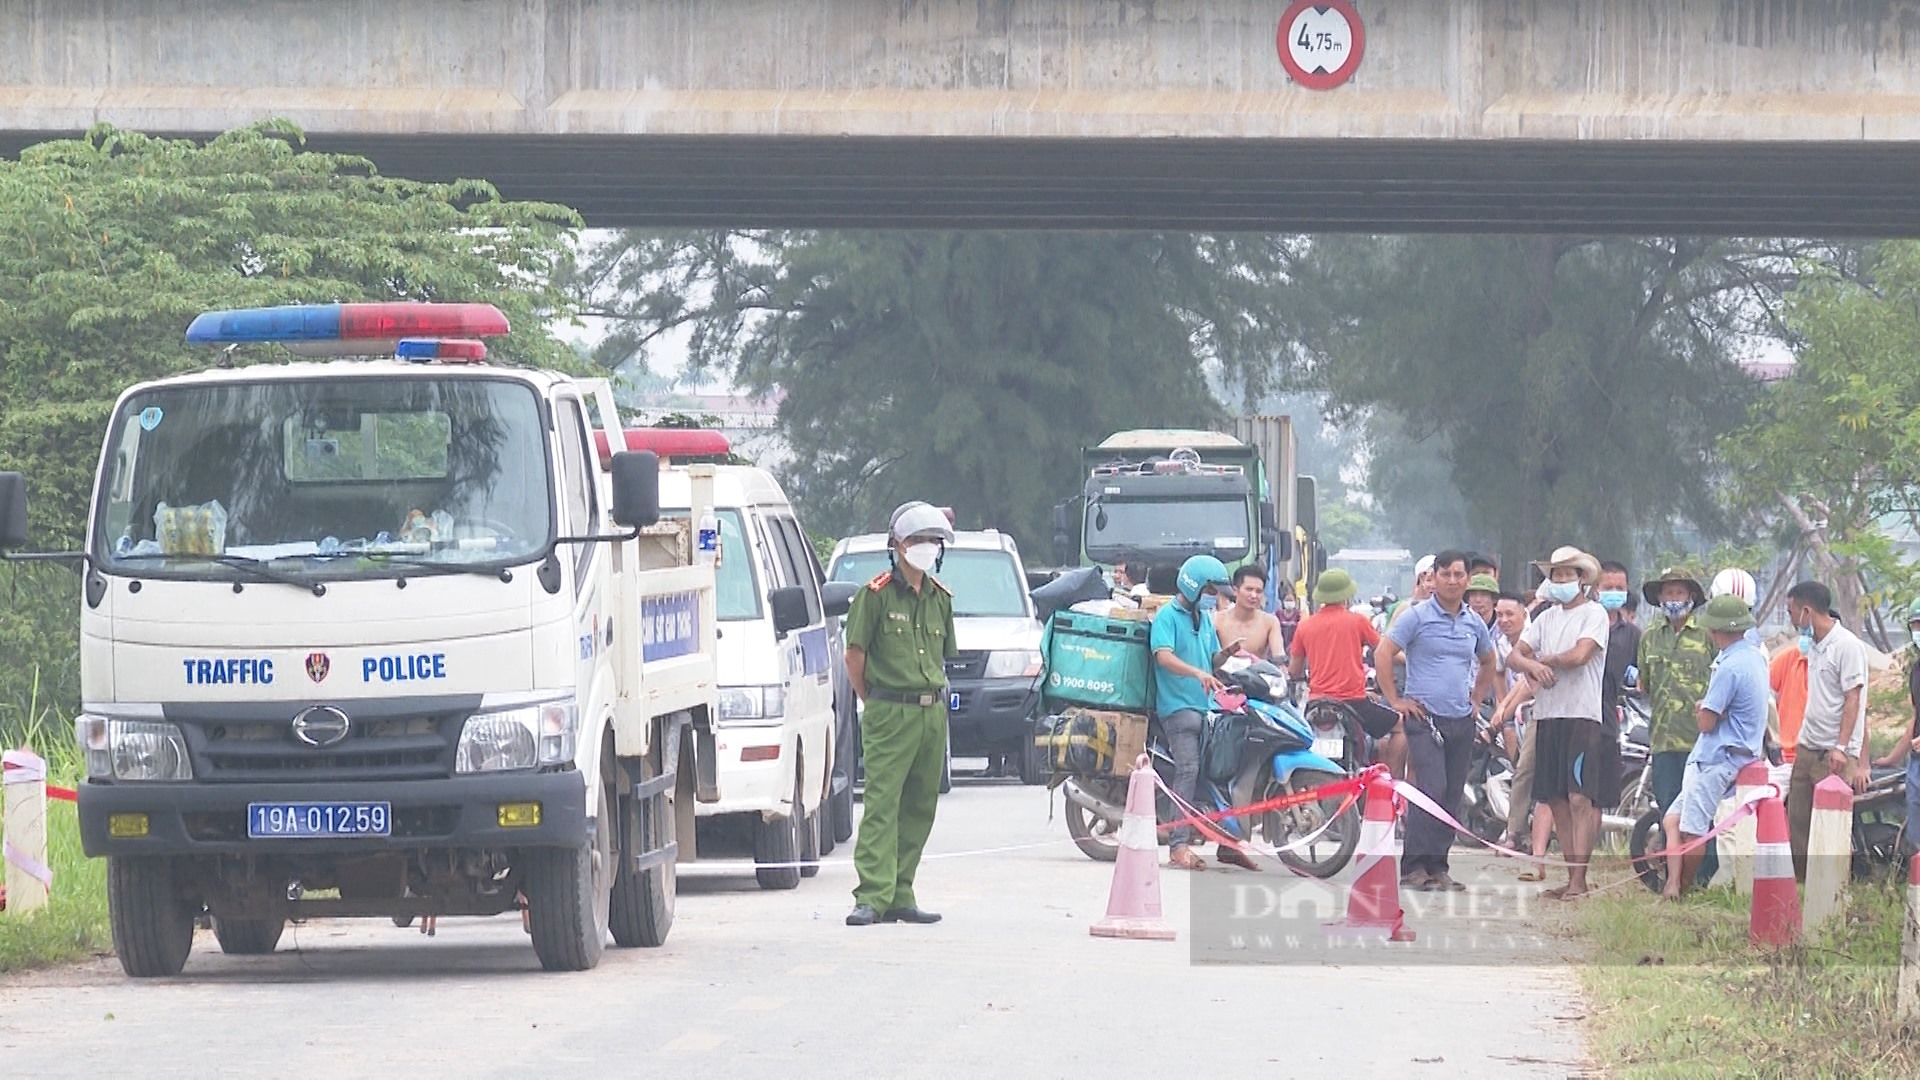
(925, 698)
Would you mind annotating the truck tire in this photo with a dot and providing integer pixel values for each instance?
(641, 911)
(569, 893)
(779, 841)
(811, 843)
(843, 799)
(152, 925)
(248, 937)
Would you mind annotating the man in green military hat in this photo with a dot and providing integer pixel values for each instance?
(1675, 660)
(899, 637)
(1731, 718)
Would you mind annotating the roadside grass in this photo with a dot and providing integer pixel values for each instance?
(74, 922)
(1677, 990)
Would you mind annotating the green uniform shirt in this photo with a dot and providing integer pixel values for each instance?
(1675, 666)
(907, 636)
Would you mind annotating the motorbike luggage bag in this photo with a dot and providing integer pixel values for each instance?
(1098, 662)
(1078, 743)
(1226, 744)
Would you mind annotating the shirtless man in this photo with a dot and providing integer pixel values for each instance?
(1258, 631)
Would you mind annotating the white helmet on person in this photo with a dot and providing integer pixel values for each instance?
(1734, 581)
(920, 519)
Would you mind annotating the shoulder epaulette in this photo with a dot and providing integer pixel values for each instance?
(938, 584)
(885, 577)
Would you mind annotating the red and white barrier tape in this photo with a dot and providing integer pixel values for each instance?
(27, 767)
(33, 867)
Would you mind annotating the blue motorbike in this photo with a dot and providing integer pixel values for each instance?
(1265, 749)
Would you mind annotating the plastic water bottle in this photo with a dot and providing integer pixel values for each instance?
(709, 540)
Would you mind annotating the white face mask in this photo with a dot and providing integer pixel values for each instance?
(922, 556)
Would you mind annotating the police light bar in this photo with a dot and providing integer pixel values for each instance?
(669, 443)
(371, 325)
(422, 350)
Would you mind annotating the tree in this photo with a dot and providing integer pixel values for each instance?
(111, 243)
(967, 369)
(1834, 449)
(1570, 390)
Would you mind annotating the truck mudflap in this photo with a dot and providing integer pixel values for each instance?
(211, 819)
(650, 813)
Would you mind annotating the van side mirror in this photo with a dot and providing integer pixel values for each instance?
(789, 605)
(636, 488)
(836, 597)
(13, 511)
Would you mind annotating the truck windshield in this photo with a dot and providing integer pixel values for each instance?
(1209, 526)
(341, 477)
(985, 584)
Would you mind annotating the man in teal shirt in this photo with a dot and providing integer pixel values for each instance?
(1186, 649)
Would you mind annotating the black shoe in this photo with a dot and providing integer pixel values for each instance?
(910, 915)
(864, 915)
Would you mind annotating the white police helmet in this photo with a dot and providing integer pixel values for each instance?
(920, 519)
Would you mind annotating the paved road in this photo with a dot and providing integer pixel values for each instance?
(1010, 984)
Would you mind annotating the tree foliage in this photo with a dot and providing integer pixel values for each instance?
(1553, 390)
(967, 369)
(111, 243)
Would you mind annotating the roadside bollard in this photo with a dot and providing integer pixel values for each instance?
(1751, 778)
(1829, 852)
(23, 778)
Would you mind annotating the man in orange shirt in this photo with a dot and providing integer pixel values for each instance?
(1329, 648)
(1787, 674)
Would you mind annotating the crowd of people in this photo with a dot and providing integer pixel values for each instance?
(1547, 669)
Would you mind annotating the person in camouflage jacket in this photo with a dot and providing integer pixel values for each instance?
(1676, 662)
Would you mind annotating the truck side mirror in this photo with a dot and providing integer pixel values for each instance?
(836, 597)
(789, 605)
(1306, 504)
(1283, 546)
(1319, 559)
(13, 511)
(636, 488)
(1269, 517)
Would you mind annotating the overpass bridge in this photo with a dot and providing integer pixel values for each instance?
(1729, 116)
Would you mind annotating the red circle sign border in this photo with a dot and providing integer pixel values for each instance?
(1341, 74)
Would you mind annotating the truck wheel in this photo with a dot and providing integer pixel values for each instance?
(568, 897)
(248, 937)
(946, 771)
(1033, 763)
(843, 799)
(642, 902)
(811, 843)
(779, 841)
(152, 925)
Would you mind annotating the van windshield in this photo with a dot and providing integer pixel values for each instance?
(985, 584)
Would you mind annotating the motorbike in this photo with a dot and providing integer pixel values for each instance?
(1486, 803)
(1486, 799)
(1275, 757)
(1636, 768)
(1879, 817)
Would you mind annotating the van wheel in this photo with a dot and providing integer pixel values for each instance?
(569, 893)
(152, 925)
(248, 937)
(779, 841)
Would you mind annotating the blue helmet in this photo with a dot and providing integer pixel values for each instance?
(1198, 574)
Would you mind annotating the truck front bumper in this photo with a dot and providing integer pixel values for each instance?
(461, 812)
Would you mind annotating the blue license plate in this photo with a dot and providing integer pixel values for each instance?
(953, 702)
(318, 819)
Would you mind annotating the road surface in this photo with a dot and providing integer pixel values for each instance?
(757, 983)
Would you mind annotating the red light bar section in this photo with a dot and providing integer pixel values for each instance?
(390, 322)
(667, 442)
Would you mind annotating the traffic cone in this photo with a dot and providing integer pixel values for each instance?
(1776, 899)
(1133, 903)
(1373, 904)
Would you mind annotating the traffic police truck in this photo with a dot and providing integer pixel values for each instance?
(379, 638)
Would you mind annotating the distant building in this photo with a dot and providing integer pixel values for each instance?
(750, 424)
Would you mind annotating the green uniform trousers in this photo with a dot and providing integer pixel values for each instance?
(905, 747)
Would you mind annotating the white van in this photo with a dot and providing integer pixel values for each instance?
(993, 684)
(776, 736)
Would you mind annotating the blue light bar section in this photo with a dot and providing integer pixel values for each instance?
(297, 322)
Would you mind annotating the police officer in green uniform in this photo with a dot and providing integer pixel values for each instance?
(899, 637)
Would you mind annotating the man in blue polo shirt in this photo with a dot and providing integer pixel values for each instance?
(1186, 650)
(1733, 723)
(1441, 638)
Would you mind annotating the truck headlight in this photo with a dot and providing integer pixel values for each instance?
(519, 738)
(1013, 663)
(132, 750)
(747, 703)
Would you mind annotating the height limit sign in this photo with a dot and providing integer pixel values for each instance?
(1320, 43)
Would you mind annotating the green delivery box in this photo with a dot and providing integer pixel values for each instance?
(1098, 662)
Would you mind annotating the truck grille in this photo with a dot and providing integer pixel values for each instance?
(967, 665)
(398, 740)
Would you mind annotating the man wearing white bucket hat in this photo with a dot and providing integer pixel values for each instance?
(1576, 756)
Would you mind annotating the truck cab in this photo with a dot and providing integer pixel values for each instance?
(377, 628)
